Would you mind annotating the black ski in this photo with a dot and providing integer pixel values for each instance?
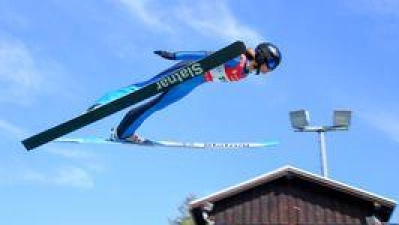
(197, 68)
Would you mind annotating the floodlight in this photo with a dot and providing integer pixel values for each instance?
(342, 118)
(299, 119)
(341, 122)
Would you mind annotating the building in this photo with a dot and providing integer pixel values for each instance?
(292, 196)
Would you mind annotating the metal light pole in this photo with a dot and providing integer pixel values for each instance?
(300, 123)
(323, 153)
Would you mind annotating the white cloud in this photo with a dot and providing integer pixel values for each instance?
(73, 177)
(25, 75)
(20, 78)
(209, 18)
(385, 121)
(29, 176)
(69, 176)
(18, 172)
(15, 170)
(215, 19)
(143, 11)
(70, 153)
(11, 130)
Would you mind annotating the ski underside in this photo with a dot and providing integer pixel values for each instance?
(171, 144)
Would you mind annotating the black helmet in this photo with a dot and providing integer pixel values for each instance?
(267, 53)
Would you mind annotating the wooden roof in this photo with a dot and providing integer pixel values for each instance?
(292, 171)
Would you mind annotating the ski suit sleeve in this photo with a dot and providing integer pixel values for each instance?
(191, 55)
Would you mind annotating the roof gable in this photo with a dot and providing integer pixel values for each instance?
(292, 171)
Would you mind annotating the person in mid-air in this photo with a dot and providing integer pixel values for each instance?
(265, 58)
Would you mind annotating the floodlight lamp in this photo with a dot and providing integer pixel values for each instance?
(299, 119)
(342, 118)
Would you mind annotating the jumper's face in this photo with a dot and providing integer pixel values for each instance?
(263, 69)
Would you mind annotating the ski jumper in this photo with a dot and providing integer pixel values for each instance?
(232, 70)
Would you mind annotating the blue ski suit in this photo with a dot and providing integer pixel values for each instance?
(233, 70)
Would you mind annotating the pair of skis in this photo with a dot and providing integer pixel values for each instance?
(192, 70)
(171, 144)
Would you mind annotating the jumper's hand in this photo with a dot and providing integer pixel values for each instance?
(166, 54)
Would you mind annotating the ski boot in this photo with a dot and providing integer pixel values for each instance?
(136, 139)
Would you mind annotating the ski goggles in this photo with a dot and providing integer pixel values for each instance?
(271, 63)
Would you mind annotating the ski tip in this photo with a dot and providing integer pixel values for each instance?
(26, 146)
(271, 143)
(87, 140)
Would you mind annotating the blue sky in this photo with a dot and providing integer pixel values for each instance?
(57, 57)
